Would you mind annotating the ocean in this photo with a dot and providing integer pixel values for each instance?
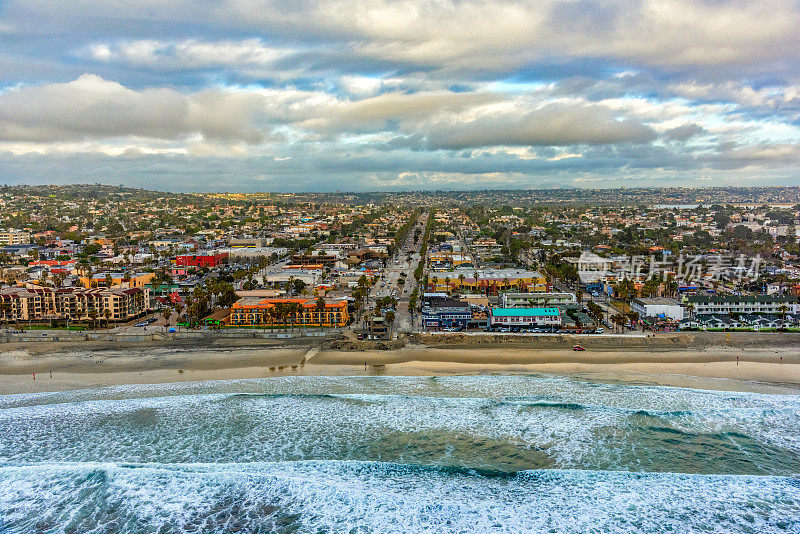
(399, 454)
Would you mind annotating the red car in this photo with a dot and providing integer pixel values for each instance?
(578, 347)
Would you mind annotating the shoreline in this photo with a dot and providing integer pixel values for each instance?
(772, 369)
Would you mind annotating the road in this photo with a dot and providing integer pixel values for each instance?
(396, 265)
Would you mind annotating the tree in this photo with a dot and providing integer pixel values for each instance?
(93, 316)
(619, 321)
(270, 314)
(107, 315)
(166, 312)
(299, 285)
(5, 310)
(178, 310)
(634, 317)
(783, 309)
(319, 307)
(293, 309)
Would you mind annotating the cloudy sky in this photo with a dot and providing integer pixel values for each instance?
(307, 95)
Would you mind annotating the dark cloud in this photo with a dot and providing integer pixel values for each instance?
(684, 132)
(552, 125)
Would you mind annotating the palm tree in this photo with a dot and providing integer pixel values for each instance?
(319, 307)
(292, 309)
(107, 315)
(166, 312)
(279, 312)
(461, 281)
(270, 313)
(783, 311)
(93, 316)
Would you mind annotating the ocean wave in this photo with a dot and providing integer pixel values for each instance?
(335, 496)
(544, 423)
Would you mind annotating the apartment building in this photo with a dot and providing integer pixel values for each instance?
(256, 311)
(71, 304)
(726, 304)
(14, 237)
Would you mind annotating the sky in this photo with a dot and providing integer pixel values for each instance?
(366, 95)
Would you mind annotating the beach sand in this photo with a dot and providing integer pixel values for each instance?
(768, 369)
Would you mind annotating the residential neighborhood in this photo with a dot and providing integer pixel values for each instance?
(82, 257)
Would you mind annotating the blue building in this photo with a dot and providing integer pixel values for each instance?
(441, 313)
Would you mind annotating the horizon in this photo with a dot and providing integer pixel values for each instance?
(410, 191)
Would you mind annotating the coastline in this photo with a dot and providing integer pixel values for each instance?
(773, 369)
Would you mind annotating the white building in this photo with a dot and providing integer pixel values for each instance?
(526, 300)
(725, 304)
(658, 307)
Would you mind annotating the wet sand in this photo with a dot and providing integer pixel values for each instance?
(773, 369)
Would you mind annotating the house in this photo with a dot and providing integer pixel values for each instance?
(378, 328)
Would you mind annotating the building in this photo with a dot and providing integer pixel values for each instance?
(528, 300)
(254, 252)
(255, 311)
(658, 307)
(446, 312)
(282, 277)
(249, 242)
(727, 304)
(43, 304)
(116, 279)
(525, 317)
(14, 237)
(378, 328)
(324, 260)
(201, 260)
(487, 281)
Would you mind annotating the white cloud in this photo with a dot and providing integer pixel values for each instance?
(188, 54)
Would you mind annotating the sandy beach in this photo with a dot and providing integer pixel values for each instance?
(767, 368)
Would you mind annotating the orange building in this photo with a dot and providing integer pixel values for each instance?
(255, 311)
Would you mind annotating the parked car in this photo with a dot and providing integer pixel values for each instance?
(578, 347)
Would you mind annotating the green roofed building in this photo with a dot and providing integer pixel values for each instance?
(525, 317)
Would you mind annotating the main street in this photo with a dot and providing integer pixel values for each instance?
(405, 260)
